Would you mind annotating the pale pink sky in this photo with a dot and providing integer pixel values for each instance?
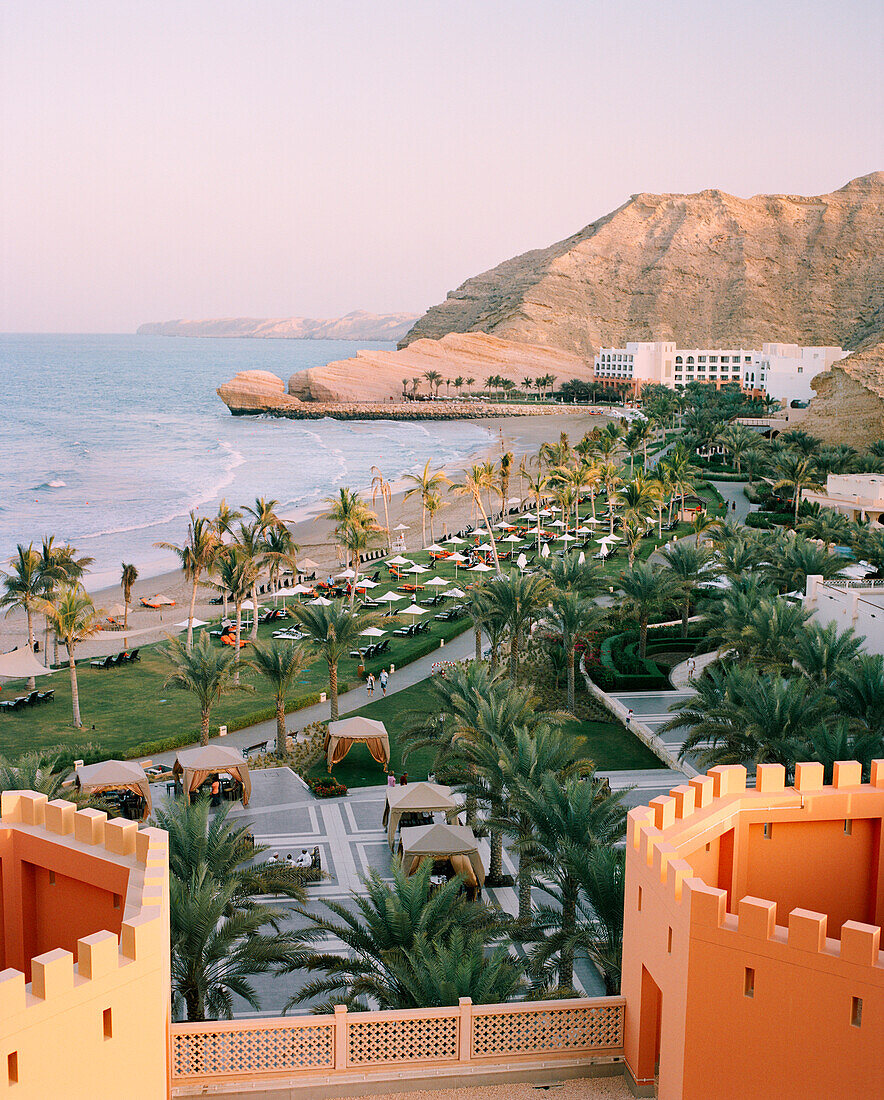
(207, 158)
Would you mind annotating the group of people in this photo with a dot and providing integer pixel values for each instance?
(383, 678)
(303, 862)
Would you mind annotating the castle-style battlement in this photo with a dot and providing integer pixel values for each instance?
(84, 946)
(751, 905)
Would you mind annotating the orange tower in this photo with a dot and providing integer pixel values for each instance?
(752, 963)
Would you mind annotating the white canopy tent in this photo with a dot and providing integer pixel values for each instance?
(416, 798)
(342, 735)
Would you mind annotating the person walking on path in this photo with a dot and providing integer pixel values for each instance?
(692, 665)
(369, 685)
(384, 677)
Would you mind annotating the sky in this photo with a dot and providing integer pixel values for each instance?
(275, 158)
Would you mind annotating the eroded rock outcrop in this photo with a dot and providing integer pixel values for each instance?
(255, 391)
(385, 375)
(849, 402)
(707, 269)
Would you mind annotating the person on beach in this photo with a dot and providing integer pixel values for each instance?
(369, 685)
(384, 677)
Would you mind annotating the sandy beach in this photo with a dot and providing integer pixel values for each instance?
(521, 435)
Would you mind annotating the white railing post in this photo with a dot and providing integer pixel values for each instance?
(465, 1046)
(340, 1036)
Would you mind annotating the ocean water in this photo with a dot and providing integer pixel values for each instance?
(108, 442)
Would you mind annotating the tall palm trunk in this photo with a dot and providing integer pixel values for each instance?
(196, 581)
(514, 657)
(643, 637)
(478, 643)
(204, 726)
(32, 682)
(569, 921)
(236, 640)
(254, 633)
(75, 693)
(526, 876)
(281, 745)
(571, 679)
(487, 524)
(333, 689)
(685, 614)
(495, 866)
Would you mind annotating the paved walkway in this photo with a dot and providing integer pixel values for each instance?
(681, 675)
(732, 493)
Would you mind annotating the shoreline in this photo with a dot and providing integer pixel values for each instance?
(521, 435)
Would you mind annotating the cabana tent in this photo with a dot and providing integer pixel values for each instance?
(19, 664)
(115, 775)
(456, 843)
(342, 735)
(416, 798)
(196, 765)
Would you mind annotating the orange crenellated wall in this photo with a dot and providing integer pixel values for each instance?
(734, 985)
(85, 910)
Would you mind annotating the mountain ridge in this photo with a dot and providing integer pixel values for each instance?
(357, 325)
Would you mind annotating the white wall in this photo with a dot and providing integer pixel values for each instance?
(861, 609)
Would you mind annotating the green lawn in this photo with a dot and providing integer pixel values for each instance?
(610, 746)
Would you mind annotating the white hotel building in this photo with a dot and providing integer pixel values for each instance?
(783, 371)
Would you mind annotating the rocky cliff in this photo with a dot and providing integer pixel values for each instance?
(380, 375)
(849, 402)
(699, 269)
(358, 325)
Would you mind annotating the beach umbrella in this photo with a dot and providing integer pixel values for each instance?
(604, 541)
(367, 584)
(117, 609)
(582, 559)
(484, 549)
(528, 515)
(196, 623)
(502, 526)
(480, 568)
(438, 582)
(415, 609)
(544, 551)
(417, 569)
(372, 632)
(308, 566)
(614, 538)
(557, 523)
(511, 538)
(455, 594)
(402, 527)
(399, 560)
(347, 575)
(566, 538)
(301, 590)
(583, 531)
(592, 521)
(555, 508)
(544, 512)
(480, 531)
(434, 549)
(521, 561)
(514, 500)
(391, 597)
(455, 541)
(321, 601)
(457, 558)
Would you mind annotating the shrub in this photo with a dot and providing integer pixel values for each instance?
(766, 520)
(327, 787)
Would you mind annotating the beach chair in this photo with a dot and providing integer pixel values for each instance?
(132, 657)
(101, 662)
(46, 696)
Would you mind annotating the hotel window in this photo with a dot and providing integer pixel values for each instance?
(690, 359)
(678, 359)
(801, 370)
(701, 358)
(713, 358)
(725, 358)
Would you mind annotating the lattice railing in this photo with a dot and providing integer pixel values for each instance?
(557, 1027)
(327, 1045)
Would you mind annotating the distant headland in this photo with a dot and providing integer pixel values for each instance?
(357, 325)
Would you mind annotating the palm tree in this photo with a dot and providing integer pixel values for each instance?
(476, 479)
(235, 576)
(738, 441)
(679, 472)
(756, 630)
(380, 487)
(830, 527)
(433, 379)
(378, 926)
(332, 632)
(687, 563)
(46, 774)
(638, 498)
(428, 483)
(128, 577)
(469, 383)
(225, 519)
(823, 653)
(518, 599)
(537, 485)
(458, 383)
(251, 547)
(792, 560)
(505, 472)
(196, 556)
(597, 932)
(216, 948)
(264, 513)
(74, 618)
(434, 504)
(800, 441)
(527, 384)
(59, 565)
(280, 552)
(569, 575)
(204, 670)
(859, 693)
(795, 472)
(572, 618)
(646, 591)
(279, 664)
(568, 818)
(24, 588)
(350, 513)
(204, 838)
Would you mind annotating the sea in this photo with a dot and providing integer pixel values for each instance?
(109, 442)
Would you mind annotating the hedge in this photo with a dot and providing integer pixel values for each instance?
(766, 520)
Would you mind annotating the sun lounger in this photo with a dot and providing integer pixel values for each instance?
(102, 662)
(46, 696)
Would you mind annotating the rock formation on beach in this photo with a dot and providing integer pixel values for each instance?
(849, 402)
(707, 269)
(358, 325)
(256, 391)
(380, 375)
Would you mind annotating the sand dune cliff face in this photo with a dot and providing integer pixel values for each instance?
(704, 269)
